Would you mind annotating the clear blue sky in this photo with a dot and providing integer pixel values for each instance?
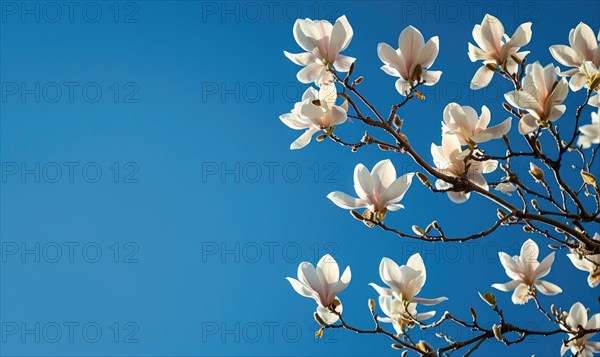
(151, 206)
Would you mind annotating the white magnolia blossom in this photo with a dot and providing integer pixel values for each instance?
(583, 47)
(506, 188)
(323, 43)
(412, 52)
(449, 160)
(405, 281)
(588, 263)
(400, 314)
(317, 111)
(590, 133)
(582, 346)
(463, 122)
(322, 284)
(526, 273)
(540, 95)
(379, 190)
(495, 48)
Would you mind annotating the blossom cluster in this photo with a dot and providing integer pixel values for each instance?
(460, 161)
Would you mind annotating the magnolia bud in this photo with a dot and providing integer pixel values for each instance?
(536, 172)
(321, 137)
(424, 346)
(398, 122)
(588, 178)
(358, 80)
(473, 313)
(491, 67)
(516, 58)
(366, 138)
(418, 230)
(497, 333)
(383, 147)
(372, 305)
(528, 229)
(535, 205)
(424, 179)
(397, 347)
(489, 298)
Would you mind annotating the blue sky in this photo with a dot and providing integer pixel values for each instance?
(151, 205)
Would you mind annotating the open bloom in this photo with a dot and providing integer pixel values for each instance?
(410, 60)
(583, 47)
(526, 273)
(323, 43)
(322, 284)
(462, 121)
(590, 133)
(496, 48)
(400, 314)
(316, 112)
(449, 160)
(589, 263)
(378, 190)
(582, 347)
(541, 96)
(405, 281)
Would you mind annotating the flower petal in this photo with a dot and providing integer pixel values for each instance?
(303, 139)
(482, 78)
(345, 201)
(547, 288)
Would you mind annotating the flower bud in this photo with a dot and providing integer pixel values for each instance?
(359, 80)
(398, 122)
(418, 230)
(536, 172)
(497, 333)
(516, 58)
(535, 205)
(424, 179)
(367, 139)
(489, 298)
(588, 178)
(424, 346)
(372, 305)
(321, 137)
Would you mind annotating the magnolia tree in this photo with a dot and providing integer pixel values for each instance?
(566, 215)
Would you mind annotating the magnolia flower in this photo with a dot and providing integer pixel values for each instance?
(526, 272)
(322, 284)
(323, 43)
(400, 314)
(541, 96)
(590, 133)
(506, 188)
(581, 347)
(589, 263)
(379, 190)
(583, 47)
(405, 281)
(496, 48)
(462, 121)
(449, 160)
(410, 60)
(316, 112)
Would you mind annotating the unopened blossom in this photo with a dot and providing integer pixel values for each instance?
(463, 122)
(449, 160)
(590, 133)
(582, 346)
(323, 43)
(406, 281)
(583, 47)
(379, 190)
(526, 273)
(400, 314)
(322, 284)
(496, 49)
(410, 62)
(316, 112)
(541, 96)
(588, 263)
(536, 172)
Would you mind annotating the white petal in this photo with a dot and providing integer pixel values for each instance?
(342, 63)
(520, 295)
(395, 192)
(565, 55)
(430, 77)
(341, 35)
(330, 269)
(458, 197)
(547, 288)
(429, 52)
(529, 251)
(482, 78)
(363, 184)
(311, 73)
(494, 132)
(429, 302)
(385, 171)
(380, 290)
(302, 289)
(544, 268)
(510, 286)
(402, 86)
(411, 43)
(303, 139)
(345, 201)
